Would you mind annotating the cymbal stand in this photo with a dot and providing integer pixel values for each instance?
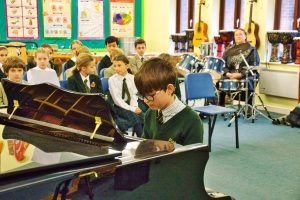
(246, 106)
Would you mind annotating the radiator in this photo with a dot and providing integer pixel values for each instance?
(279, 83)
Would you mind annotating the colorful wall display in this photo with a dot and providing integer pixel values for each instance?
(90, 19)
(22, 19)
(57, 18)
(122, 18)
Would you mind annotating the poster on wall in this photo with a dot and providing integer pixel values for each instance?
(57, 18)
(90, 19)
(22, 19)
(122, 18)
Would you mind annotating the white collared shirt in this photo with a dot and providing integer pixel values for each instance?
(86, 78)
(172, 109)
(115, 84)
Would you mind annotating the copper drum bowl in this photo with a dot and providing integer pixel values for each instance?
(182, 38)
(286, 37)
(189, 34)
(218, 39)
(226, 35)
(175, 38)
(273, 36)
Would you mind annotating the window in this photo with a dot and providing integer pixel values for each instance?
(231, 14)
(287, 15)
(184, 15)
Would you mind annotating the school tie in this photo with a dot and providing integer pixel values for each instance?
(142, 59)
(160, 117)
(87, 89)
(125, 91)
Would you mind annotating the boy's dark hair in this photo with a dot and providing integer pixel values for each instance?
(13, 62)
(122, 58)
(111, 39)
(139, 41)
(3, 48)
(155, 74)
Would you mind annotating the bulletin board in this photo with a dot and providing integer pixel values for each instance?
(65, 42)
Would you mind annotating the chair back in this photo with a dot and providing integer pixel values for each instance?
(101, 73)
(214, 63)
(199, 85)
(25, 76)
(104, 82)
(63, 70)
(63, 84)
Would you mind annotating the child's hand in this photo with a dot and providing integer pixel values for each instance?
(138, 110)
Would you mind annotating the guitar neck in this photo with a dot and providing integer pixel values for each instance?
(199, 29)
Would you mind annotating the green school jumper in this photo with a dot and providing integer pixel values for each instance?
(184, 128)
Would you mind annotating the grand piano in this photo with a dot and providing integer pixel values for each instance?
(58, 144)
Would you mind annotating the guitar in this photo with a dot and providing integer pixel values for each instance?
(200, 32)
(252, 28)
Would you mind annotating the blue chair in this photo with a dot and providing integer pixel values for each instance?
(25, 76)
(200, 85)
(63, 70)
(104, 82)
(101, 73)
(63, 84)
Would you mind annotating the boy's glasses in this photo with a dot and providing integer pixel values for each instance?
(151, 97)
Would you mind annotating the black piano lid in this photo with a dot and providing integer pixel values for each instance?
(45, 104)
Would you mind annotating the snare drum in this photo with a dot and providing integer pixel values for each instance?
(232, 85)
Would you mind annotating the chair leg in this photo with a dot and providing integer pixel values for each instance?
(236, 130)
(211, 126)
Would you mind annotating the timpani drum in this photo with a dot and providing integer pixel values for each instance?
(273, 38)
(226, 36)
(286, 38)
(297, 49)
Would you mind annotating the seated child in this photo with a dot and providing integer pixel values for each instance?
(14, 67)
(71, 62)
(79, 50)
(51, 63)
(137, 61)
(168, 118)
(111, 42)
(42, 73)
(124, 95)
(84, 80)
(108, 72)
(3, 56)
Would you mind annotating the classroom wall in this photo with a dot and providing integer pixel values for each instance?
(99, 44)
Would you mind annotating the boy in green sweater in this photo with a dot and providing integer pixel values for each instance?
(168, 118)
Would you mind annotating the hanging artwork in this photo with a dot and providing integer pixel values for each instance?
(90, 19)
(122, 18)
(57, 18)
(22, 19)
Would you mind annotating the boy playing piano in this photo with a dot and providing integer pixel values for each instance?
(168, 118)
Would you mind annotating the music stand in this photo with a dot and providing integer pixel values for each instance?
(246, 106)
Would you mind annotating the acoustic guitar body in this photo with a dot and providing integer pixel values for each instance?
(252, 34)
(200, 34)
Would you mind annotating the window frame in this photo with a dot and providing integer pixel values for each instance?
(191, 7)
(237, 13)
(277, 14)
